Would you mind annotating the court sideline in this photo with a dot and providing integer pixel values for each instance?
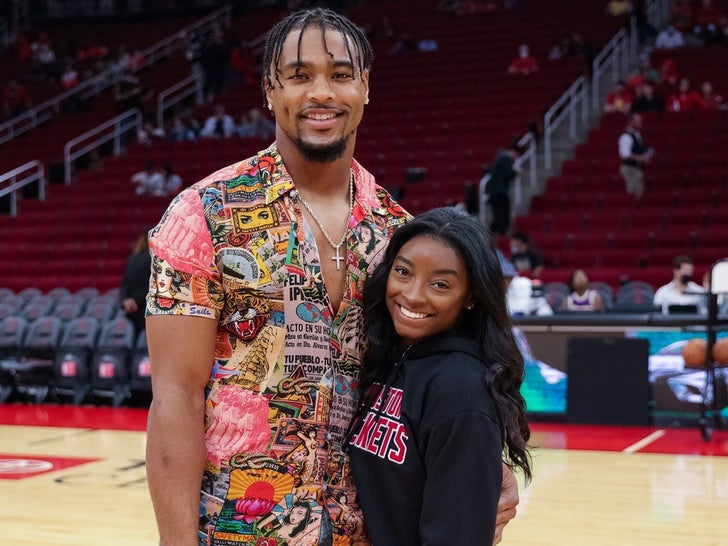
(74, 475)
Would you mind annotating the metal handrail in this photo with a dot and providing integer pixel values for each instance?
(131, 119)
(17, 184)
(566, 105)
(191, 85)
(615, 55)
(94, 85)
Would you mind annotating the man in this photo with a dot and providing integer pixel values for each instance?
(634, 156)
(682, 290)
(254, 313)
(501, 173)
(526, 259)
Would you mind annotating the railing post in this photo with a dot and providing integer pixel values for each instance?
(547, 144)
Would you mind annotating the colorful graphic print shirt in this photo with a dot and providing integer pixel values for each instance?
(234, 247)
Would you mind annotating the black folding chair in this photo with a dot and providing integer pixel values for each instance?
(72, 365)
(110, 373)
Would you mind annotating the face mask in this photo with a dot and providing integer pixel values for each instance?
(685, 279)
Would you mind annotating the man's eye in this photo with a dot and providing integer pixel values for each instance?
(343, 76)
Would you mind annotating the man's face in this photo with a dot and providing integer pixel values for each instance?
(685, 270)
(320, 99)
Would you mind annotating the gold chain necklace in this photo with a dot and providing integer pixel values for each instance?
(338, 258)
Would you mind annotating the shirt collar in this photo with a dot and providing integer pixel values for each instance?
(271, 171)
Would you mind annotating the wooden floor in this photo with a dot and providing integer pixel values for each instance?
(75, 476)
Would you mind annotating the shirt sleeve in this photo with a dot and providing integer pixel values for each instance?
(625, 146)
(184, 278)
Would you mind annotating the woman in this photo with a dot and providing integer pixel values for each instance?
(582, 298)
(135, 282)
(441, 404)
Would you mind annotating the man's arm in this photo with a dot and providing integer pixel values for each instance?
(507, 503)
(181, 351)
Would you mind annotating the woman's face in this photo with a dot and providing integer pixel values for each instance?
(164, 274)
(297, 514)
(427, 289)
(580, 280)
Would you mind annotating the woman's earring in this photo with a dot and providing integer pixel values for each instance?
(469, 306)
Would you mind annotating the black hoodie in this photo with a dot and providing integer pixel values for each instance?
(427, 461)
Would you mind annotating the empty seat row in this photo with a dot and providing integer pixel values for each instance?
(83, 359)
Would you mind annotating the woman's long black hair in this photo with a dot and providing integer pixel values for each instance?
(488, 322)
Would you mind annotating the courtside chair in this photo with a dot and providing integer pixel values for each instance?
(110, 372)
(32, 371)
(13, 330)
(141, 370)
(72, 365)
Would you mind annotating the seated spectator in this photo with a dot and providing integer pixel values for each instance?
(523, 297)
(45, 64)
(684, 99)
(619, 8)
(668, 72)
(245, 129)
(581, 298)
(620, 99)
(646, 73)
(682, 11)
(219, 125)
(523, 64)
(711, 100)
(148, 133)
(669, 38)
(172, 181)
(180, 130)
(15, 100)
(404, 45)
(682, 290)
(427, 44)
(69, 76)
(647, 101)
(711, 23)
(149, 181)
(525, 258)
(262, 127)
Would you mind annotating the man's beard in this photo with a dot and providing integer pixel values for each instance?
(322, 154)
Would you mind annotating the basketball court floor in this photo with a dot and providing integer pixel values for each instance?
(74, 475)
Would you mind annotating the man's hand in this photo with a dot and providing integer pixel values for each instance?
(507, 503)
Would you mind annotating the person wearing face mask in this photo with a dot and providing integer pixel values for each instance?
(682, 290)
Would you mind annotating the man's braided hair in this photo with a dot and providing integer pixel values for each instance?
(357, 44)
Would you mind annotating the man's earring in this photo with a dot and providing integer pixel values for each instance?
(469, 306)
(270, 107)
(366, 101)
